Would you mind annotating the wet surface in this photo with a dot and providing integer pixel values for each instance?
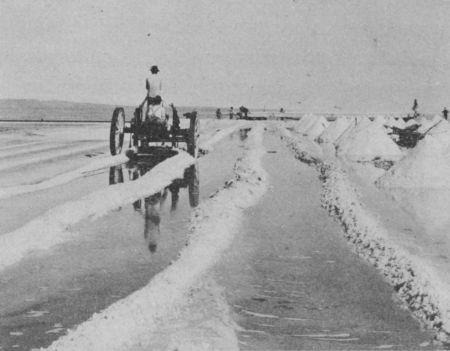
(294, 283)
(35, 172)
(22, 208)
(32, 152)
(109, 257)
(152, 207)
(112, 257)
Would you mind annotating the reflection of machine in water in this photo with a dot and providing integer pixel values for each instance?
(150, 206)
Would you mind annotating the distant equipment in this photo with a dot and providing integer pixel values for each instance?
(409, 137)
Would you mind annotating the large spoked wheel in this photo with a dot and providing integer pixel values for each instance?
(116, 131)
(192, 139)
(193, 177)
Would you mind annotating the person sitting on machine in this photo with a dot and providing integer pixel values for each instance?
(156, 113)
(154, 87)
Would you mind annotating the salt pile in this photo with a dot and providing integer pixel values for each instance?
(426, 166)
(441, 132)
(411, 122)
(334, 130)
(352, 122)
(392, 122)
(380, 119)
(427, 123)
(366, 141)
(314, 130)
(305, 122)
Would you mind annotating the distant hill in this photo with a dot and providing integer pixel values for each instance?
(37, 110)
(53, 110)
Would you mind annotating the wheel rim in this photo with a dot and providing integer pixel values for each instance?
(196, 136)
(120, 122)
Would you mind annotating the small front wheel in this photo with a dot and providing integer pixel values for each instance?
(116, 132)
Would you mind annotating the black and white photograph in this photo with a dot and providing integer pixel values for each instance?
(195, 175)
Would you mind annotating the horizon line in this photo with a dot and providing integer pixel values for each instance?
(215, 107)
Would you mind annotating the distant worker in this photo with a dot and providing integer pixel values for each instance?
(231, 112)
(218, 114)
(445, 113)
(154, 87)
(414, 108)
(281, 110)
(244, 112)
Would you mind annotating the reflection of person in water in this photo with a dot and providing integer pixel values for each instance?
(152, 221)
(149, 207)
(174, 191)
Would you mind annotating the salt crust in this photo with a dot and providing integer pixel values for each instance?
(208, 145)
(126, 324)
(95, 164)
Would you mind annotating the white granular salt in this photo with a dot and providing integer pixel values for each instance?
(335, 130)
(316, 128)
(426, 166)
(366, 141)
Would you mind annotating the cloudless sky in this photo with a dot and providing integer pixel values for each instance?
(311, 55)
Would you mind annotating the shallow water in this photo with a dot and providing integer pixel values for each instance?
(109, 257)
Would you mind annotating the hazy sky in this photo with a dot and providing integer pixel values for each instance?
(336, 56)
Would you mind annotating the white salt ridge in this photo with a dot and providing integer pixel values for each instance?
(95, 164)
(418, 282)
(426, 166)
(203, 322)
(50, 229)
(21, 145)
(77, 132)
(367, 141)
(208, 146)
(131, 320)
(34, 147)
(301, 145)
(334, 130)
(50, 155)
